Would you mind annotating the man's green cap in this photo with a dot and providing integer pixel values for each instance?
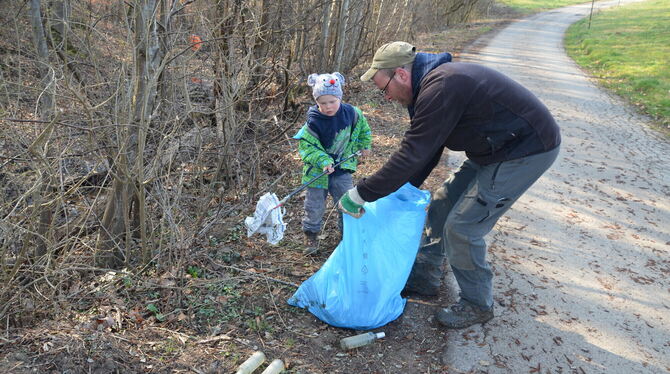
(389, 56)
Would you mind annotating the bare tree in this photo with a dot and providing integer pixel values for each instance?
(42, 207)
(124, 219)
(46, 73)
(139, 126)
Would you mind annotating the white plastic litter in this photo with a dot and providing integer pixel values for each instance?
(267, 220)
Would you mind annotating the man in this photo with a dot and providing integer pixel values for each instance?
(509, 137)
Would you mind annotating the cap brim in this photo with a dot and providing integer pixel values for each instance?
(369, 74)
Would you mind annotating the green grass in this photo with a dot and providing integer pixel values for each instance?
(627, 49)
(531, 6)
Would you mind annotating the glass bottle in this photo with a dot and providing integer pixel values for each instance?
(360, 340)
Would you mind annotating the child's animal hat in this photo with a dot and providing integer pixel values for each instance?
(326, 84)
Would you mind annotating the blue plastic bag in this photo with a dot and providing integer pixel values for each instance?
(359, 286)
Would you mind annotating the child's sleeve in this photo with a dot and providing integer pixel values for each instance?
(311, 151)
(364, 139)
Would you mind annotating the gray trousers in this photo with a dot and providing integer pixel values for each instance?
(461, 213)
(315, 201)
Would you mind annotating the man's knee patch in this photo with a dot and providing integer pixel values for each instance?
(459, 249)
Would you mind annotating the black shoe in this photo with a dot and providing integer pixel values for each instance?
(311, 243)
(425, 290)
(463, 314)
(425, 278)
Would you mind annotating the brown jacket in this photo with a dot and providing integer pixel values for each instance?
(464, 107)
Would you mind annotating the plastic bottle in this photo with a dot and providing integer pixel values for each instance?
(275, 367)
(251, 363)
(360, 340)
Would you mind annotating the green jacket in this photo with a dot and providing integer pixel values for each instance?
(355, 137)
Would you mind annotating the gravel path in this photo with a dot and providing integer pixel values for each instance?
(582, 268)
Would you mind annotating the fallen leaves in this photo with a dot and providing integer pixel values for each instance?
(557, 340)
(539, 311)
(642, 280)
(538, 243)
(103, 323)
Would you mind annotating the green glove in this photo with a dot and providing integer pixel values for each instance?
(351, 203)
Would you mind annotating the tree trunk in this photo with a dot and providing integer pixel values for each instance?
(59, 35)
(42, 207)
(46, 73)
(342, 34)
(125, 217)
(359, 12)
(261, 42)
(326, 20)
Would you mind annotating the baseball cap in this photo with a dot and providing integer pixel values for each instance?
(390, 55)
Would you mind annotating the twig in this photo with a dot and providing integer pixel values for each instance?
(116, 336)
(215, 219)
(283, 131)
(274, 304)
(21, 120)
(275, 182)
(421, 302)
(254, 274)
(6, 340)
(214, 339)
(268, 188)
(183, 336)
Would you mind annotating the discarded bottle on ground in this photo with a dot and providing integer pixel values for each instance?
(251, 363)
(275, 367)
(360, 340)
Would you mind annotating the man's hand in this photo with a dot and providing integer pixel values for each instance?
(351, 203)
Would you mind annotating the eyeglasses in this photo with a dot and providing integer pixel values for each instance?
(383, 91)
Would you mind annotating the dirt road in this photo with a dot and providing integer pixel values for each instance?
(582, 268)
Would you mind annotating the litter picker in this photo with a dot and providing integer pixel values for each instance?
(269, 220)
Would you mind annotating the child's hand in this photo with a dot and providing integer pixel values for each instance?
(328, 169)
(364, 153)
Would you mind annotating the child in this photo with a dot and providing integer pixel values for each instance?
(333, 131)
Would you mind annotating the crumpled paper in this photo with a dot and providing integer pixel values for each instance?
(266, 220)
